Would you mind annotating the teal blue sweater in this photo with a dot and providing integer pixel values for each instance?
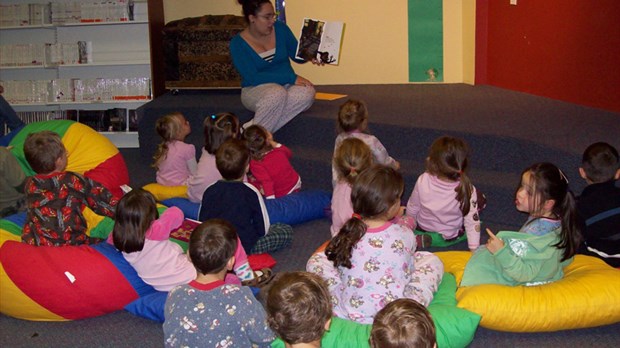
(255, 71)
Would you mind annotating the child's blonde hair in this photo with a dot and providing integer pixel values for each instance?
(352, 115)
(448, 158)
(403, 323)
(168, 127)
(351, 158)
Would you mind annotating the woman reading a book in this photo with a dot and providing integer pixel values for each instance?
(262, 53)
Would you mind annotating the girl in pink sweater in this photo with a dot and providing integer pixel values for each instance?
(143, 238)
(444, 199)
(174, 160)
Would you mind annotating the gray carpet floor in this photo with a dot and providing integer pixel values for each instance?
(507, 131)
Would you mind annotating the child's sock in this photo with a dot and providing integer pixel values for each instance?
(244, 272)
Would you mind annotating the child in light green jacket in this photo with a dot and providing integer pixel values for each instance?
(544, 245)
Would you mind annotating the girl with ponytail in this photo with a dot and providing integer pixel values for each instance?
(372, 261)
(544, 245)
(444, 200)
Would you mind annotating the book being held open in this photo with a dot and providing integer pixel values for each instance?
(320, 40)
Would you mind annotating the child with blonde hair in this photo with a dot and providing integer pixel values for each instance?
(544, 245)
(270, 166)
(217, 129)
(174, 160)
(353, 122)
(372, 261)
(444, 199)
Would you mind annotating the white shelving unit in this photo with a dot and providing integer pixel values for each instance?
(120, 50)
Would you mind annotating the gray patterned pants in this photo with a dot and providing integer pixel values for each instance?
(275, 105)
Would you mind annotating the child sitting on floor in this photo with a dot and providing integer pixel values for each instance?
(143, 238)
(545, 244)
(403, 323)
(598, 207)
(444, 199)
(299, 310)
(353, 122)
(373, 261)
(174, 160)
(208, 312)
(240, 203)
(351, 158)
(56, 198)
(217, 129)
(270, 166)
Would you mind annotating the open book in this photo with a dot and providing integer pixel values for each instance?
(320, 40)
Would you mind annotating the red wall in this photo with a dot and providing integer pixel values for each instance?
(561, 49)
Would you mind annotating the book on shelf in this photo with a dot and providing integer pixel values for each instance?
(320, 40)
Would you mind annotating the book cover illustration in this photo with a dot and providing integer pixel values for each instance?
(320, 40)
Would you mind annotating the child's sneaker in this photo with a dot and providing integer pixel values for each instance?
(261, 278)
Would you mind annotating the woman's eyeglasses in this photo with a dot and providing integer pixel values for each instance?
(269, 17)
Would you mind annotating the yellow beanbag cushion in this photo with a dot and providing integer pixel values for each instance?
(587, 296)
(162, 192)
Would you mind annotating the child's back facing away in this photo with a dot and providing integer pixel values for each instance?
(598, 207)
(56, 198)
(233, 200)
(208, 312)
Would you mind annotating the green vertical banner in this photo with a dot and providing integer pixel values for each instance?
(425, 40)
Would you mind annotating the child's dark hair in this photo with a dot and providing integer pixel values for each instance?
(251, 7)
(257, 138)
(549, 183)
(232, 158)
(135, 213)
(219, 128)
(352, 115)
(600, 162)
(298, 307)
(211, 245)
(351, 158)
(168, 128)
(448, 158)
(403, 323)
(374, 192)
(42, 150)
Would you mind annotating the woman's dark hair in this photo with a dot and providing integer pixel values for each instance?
(549, 183)
(448, 158)
(251, 7)
(219, 128)
(373, 194)
(256, 137)
(135, 213)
